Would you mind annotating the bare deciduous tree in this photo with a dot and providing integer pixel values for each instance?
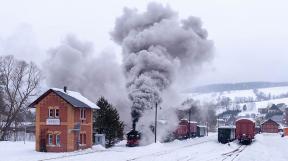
(19, 82)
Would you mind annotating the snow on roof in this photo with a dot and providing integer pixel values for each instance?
(226, 127)
(269, 120)
(277, 118)
(246, 119)
(77, 96)
(188, 121)
(183, 119)
(162, 121)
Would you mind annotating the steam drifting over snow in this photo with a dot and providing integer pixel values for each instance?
(156, 45)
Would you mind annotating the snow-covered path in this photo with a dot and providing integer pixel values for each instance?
(266, 147)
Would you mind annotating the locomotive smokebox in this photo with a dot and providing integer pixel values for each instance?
(133, 137)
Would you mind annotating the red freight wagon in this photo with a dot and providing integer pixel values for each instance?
(245, 130)
(182, 131)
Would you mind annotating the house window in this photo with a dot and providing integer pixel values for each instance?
(83, 139)
(56, 112)
(58, 139)
(82, 114)
(50, 139)
(51, 113)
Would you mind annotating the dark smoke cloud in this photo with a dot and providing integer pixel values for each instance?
(156, 46)
(73, 64)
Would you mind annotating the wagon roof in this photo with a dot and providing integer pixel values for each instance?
(250, 119)
(226, 127)
(201, 126)
(189, 121)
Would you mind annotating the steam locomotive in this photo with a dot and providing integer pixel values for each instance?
(133, 138)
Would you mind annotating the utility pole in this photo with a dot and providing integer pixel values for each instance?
(25, 129)
(189, 130)
(155, 130)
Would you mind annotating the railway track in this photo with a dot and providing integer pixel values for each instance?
(161, 153)
(231, 156)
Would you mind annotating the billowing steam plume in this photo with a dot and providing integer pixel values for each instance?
(74, 64)
(156, 45)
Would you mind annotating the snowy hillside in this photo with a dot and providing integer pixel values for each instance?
(276, 95)
(275, 91)
(266, 147)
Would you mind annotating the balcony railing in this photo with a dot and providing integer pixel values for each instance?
(53, 121)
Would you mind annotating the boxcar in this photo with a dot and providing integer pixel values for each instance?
(201, 131)
(193, 128)
(226, 134)
(182, 131)
(245, 130)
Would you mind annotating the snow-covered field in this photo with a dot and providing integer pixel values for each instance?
(212, 97)
(273, 91)
(266, 147)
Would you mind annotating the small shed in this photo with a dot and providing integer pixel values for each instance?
(100, 139)
(270, 126)
(201, 131)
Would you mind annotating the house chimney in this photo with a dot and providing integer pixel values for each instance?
(65, 89)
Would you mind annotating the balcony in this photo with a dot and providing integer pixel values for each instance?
(53, 121)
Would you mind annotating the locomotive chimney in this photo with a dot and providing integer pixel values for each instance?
(134, 125)
(65, 89)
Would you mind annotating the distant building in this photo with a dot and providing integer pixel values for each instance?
(63, 121)
(274, 109)
(270, 126)
(263, 110)
(282, 106)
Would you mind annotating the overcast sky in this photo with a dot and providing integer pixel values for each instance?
(250, 36)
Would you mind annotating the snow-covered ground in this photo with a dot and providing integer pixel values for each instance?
(266, 147)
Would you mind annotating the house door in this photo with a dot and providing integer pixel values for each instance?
(42, 142)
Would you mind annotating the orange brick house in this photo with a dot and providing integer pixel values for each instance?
(63, 121)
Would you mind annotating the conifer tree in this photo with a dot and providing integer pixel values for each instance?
(107, 121)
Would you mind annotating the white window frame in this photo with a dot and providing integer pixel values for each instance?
(82, 114)
(57, 139)
(56, 112)
(83, 138)
(50, 139)
(50, 114)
